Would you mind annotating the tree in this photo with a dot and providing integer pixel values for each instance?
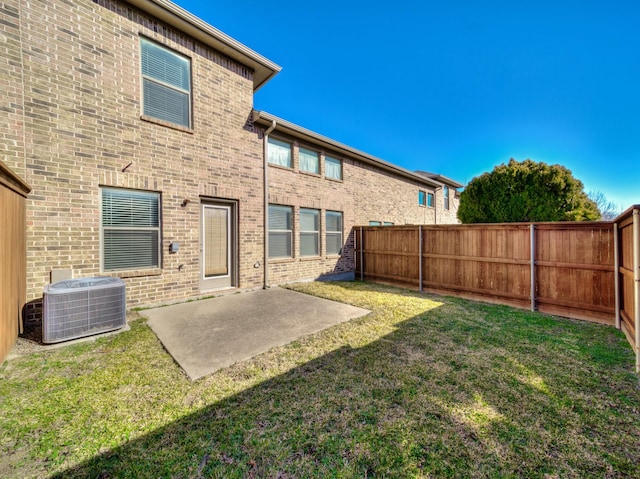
(526, 191)
(608, 209)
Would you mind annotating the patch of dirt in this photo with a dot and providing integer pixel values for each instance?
(30, 341)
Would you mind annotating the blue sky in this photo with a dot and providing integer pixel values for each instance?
(457, 87)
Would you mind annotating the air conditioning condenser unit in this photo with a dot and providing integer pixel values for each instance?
(76, 308)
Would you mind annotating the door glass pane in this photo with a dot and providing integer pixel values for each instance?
(216, 242)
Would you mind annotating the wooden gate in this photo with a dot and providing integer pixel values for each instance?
(13, 256)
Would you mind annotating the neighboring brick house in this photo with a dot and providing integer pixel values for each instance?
(447, 198)
(134, 124)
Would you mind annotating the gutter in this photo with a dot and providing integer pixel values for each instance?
(265, 165)
(313, 137)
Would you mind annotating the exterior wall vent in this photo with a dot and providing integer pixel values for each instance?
(76, 308)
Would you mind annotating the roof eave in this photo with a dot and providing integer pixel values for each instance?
(188, 23)
(266, 119)
(440, 178)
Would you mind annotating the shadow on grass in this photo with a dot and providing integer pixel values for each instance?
(446, 394)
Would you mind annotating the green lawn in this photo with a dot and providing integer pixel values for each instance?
(424, 386)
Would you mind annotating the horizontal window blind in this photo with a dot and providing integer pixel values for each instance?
(309, 232)
(166, 83)
(216, 241)
(130, 229)
(280, 231)
(166, 104)
(333, 232)
(279, 244)
(164, 65)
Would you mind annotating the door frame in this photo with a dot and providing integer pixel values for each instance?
(231, 279)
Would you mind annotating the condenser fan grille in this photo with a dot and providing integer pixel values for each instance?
(83, 307)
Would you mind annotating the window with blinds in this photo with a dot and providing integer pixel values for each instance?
(309, 232)
(280, 231)
(334, 232)
(216, 241)
(130, 229)
(166, 84)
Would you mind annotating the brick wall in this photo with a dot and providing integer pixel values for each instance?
(11, 75)
(83, 126)
(366, 193)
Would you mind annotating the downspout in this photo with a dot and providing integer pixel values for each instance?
(435, 204)
(265, 151)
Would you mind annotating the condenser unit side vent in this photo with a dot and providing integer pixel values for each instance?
(83, 307)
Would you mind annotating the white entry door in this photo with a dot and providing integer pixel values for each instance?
(217, 246)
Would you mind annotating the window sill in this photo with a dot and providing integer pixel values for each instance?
(167, 124)
(280, 167)
(333, 256)
(310, 173)
(337, 180)
(137, 273)
(281, 260)
(310, 258)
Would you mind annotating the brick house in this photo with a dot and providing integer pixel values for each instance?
(134, 124)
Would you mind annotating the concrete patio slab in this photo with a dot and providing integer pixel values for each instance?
(204, 336)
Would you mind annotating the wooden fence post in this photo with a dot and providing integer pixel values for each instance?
(616, 273)
(361, 257)
(420, 255)
(532, 228)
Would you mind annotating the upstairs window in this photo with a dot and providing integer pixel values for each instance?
(130, 229)
(332, 168)
(334, 232)
(422, 198)
(309, 161)
(279, 153)
(430, 198)
(166, 84)
(280, 231)
(375, 223)
(446, 197)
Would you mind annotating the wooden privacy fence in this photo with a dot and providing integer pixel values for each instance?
(627, 232)
(13, 256)
(565, 268)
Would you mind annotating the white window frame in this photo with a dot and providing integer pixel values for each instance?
(155, 263)
(164, 84)
(306, 234)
